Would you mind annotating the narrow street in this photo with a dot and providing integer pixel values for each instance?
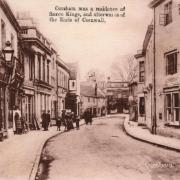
(103, 151)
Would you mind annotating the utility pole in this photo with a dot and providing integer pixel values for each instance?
(92, 76)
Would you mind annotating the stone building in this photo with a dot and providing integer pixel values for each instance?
(36, 52)
(63, 75)
(167, 61)
(73, 96)
(161, 56)
(11, 71)
(145, 79)
(117, 93)
(93, 99)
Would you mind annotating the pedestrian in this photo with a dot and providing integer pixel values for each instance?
(58, 123)
(43, 117)
(77, 121)
(72, 119)
(64, 119)
(16, 120)
(90, 117)
(48, 120)
(18, 123)
(86, 117)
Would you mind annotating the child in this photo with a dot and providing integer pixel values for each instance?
(58, 123)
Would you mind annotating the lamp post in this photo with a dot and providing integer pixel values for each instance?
(6, 67)
(8, 53)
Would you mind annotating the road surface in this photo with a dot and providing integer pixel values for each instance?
(103, 151)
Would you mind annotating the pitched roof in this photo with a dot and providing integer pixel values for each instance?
(155, 3)
(89, 91)
(73, 69)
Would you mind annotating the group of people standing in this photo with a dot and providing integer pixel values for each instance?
(67, 119)
(20, 125)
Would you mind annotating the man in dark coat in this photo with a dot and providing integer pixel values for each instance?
(43, 117)
(48, 119)
(86, 116)
(89, 117)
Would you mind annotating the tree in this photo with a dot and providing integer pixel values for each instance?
(125, 69)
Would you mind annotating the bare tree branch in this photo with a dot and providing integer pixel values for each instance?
(124, 69)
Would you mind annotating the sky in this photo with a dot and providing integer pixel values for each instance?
(92, 45)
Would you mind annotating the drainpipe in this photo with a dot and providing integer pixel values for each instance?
(154, 126)
(57, 105)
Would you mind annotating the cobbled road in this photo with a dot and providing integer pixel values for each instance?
(103, 151)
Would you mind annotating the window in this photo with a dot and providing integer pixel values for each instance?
(141, 106)
(48, 72)
(171, 63)
(43, 68)
(172, 108)
(168, 13)
(89, 99)
(176, 107)
(39, 66)
(3, 34)
(30, 67)
(141, 71)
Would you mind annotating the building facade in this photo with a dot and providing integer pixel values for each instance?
(11, 73)
(36, 52)
(145, 79)
(133, 101)
(63, 75)
(93, 99)
(73, 96)
(167, 60)
(117, 94)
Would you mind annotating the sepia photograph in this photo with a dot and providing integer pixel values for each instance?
(89, 90)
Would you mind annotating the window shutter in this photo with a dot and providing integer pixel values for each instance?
(162, 19)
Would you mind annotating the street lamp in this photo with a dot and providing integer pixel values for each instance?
(8, 52)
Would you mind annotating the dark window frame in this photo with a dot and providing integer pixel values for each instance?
(171, 63)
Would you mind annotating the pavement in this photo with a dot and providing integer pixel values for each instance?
(143, 134)
(20, 154)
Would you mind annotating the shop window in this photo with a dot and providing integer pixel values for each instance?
(176, 107)
(168, 107)
(141, 105)
(172, 108)
(171, 63)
